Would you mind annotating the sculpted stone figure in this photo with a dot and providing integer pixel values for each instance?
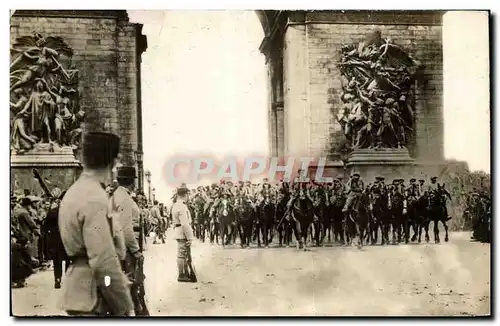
(377, 78)
(44, 98)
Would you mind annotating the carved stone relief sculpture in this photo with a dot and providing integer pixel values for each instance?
(377, 93)
(44, 98)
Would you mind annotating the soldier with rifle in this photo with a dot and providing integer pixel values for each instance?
(132, 228)
(184, 236)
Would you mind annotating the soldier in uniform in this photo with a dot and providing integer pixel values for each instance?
(412, 193)
(157, 219)
(129, 213)
(433, 187)
(183, 234)
(87, 232)
(354, 187)
(129, 222)
(378, 189)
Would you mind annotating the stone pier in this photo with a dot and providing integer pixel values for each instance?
(302, 49)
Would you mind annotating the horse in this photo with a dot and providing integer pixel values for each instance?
(225, 216)
(266, 219)
(245, 213)
(322, 220)
(302, 210)
(337, 202)
(213, 224)
(381, 218)
(357, 218)
(201, 218)
(399, 221)
(283, 227)
(437, 205)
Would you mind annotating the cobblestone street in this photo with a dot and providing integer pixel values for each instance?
(428, 279)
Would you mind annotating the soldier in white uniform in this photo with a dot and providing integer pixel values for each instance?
(95, 283)
(183, 233)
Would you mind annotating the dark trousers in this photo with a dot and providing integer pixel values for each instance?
(58, 261)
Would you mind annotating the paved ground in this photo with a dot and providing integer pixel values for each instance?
(428, 279)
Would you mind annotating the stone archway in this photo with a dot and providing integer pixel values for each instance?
(301, 50)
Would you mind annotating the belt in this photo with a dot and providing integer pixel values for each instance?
(178, 225)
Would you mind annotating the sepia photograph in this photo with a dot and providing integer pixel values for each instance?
(250, 163)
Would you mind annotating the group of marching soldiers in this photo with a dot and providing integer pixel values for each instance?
(204, 200)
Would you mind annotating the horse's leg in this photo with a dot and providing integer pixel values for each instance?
(258, 230)
(298, 235)
(357, 235)
(317, 232)
(445, 225)
(305, 234)
(280, 235)
(289, 233)
(436, 230)
(413, 225)
(406, 227)
(420, 228)
(400, 227)
(265, 234)
(383, 231)
(210, 232)
(426, 229)
(395, 229)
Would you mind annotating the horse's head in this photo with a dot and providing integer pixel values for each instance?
(302, 195)
(225, 207)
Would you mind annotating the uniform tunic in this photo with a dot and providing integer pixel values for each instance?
(95, 268)
(128, 213)
(183, 231)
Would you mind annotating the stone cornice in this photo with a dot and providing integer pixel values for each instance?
(109, 14)
(142, 40)
(376, 17)
(276, 23)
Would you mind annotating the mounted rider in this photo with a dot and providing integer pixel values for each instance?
(337, 191)
(354, 187)
(412, 193)
(377, 190)
(299, 189)
(435, 190)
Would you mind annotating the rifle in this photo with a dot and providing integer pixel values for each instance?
(138, 290)
(44, 187)
(191, 271)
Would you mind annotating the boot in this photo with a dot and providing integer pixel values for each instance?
(57, 283)
(182, 272)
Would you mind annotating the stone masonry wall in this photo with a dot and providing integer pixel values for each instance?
(105, 54)
(419, 35)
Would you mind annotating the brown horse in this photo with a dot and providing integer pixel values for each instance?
(303, 212)
(245, 215)
(225, 215)
(358, 218)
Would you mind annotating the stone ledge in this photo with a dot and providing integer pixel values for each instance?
(113, 14)
(382, 156)
(41, 155)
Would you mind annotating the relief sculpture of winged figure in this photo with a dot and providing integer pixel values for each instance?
(377, 78)
(42, 92)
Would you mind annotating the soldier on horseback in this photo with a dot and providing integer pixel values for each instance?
(355, 187)
(437, 193)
